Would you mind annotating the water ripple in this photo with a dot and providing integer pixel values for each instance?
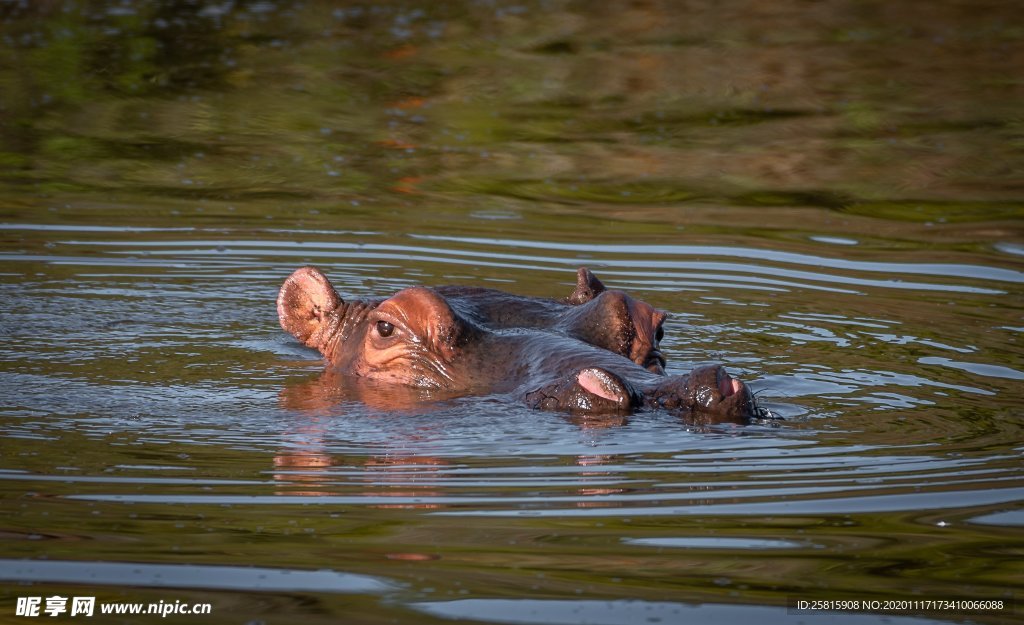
(205, 577)
(660, 251)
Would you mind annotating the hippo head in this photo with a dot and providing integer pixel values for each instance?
(596, 356)
(621, 324)
(411, 339)
(609, 319)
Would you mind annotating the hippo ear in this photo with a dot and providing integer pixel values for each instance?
(591, 391)
(587, 287)
(305, 300)
(605, 385)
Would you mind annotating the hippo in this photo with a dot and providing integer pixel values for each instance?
(611, 320)
(595, 352)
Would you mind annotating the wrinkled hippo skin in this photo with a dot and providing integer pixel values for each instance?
(595, 352)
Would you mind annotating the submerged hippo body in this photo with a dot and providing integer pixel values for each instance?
(596, 352)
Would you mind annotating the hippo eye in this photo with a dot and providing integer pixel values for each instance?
(385, 329)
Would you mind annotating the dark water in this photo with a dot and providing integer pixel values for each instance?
(827, 197)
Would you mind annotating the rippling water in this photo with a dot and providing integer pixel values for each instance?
(156, 416)
(162, 439)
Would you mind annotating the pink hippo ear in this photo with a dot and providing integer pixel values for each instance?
(591, 391)
(587, 287)
(303, 304)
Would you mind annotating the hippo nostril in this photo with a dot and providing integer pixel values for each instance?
(725, 386)
(655, 362)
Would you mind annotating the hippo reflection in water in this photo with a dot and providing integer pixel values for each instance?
(593, 353)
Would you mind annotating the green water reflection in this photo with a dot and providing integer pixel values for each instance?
(897, 111)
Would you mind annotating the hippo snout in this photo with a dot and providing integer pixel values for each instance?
(707, 395)
(704, 396)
